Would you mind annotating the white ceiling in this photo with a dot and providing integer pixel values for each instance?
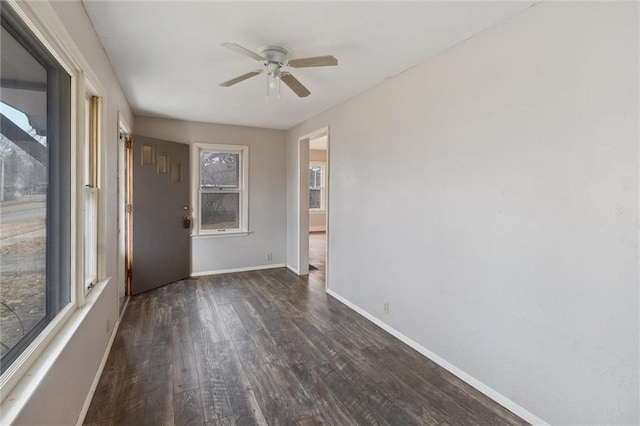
(169, 60)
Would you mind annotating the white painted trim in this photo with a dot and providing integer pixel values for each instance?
(228, 271)
(317, 228)
(221, 235)
(462, 375)
(124, 309)
(292, 269)
(96, 379)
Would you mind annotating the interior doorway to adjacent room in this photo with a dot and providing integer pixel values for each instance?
(318, 196)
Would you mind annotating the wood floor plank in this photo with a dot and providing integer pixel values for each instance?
(235, 328)
(355, 404)
(178, 302)
(210, 318)
(215, 400)
(161, 354)
(270, 347)
(185, 372)
(241, 396)
(226, 421)
(187, 408)
(144, 325)
(107, 391)
(331, 408)
(318, 420)
(159, 396)
(280, 400)
(131, 399)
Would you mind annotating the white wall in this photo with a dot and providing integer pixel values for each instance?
(267, 193)
(318, 155)
(501, 222)
(59, 397)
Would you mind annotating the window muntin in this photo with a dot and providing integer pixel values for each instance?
(316, 187)
(222, 188)
(35, 188)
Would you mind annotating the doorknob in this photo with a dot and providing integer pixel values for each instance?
(186, 222)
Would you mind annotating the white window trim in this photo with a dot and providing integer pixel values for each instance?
(323, 188)
(243, 150)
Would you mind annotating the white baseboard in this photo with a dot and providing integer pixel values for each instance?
(228, 271)
(124, 308)
(469, 379)
(317, 228)
(96, 379)
(292, 269)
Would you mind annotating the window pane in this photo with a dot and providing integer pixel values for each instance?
(315, 177)
(24, 157)
(90, 236)
(220, 210)
(315, 198)
(219, 170)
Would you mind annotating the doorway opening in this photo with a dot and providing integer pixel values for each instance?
(124, 168)
(318, 194)
(313, 205)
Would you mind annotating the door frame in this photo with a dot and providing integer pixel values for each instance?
(124, 219)
(303, 202)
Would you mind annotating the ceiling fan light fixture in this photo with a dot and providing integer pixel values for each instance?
(273, 78)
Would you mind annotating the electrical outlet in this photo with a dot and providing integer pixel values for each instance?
(269, 256)
(385, 307)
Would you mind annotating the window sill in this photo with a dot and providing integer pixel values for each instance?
(221, 235)
(317, 211)
(17, 390)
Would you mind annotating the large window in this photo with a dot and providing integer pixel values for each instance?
(35, 183)
(316, 187)
(222, 188)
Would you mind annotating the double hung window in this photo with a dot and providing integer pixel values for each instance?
(316, 187)
(222, 188)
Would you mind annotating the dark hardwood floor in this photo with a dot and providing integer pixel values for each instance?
(317, 254)
(268, 347)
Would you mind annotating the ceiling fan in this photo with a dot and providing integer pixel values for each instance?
(274, 59)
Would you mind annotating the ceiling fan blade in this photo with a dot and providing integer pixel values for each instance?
(295, 85)
(316, 61)
(243, 51)
(238, 79)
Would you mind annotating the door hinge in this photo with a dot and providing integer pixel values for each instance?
(129, 208)
(128, 143)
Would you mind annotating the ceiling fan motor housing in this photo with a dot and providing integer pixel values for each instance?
(275, 54)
